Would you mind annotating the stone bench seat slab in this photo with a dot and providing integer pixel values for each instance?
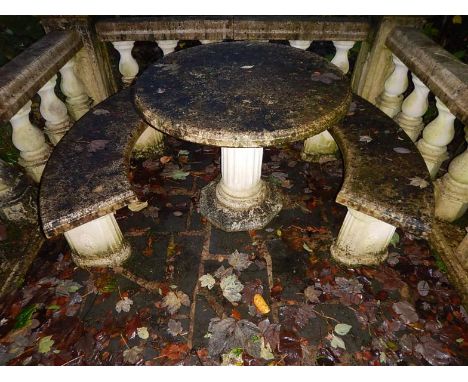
(381, 162)
(86, 175)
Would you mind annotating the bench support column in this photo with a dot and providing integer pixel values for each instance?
(363, 240)
(451, 191)
(240, 201)
(99, 243)
(150, 143)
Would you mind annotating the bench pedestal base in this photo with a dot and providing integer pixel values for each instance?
(99, 243)
(150, 144)
(363, 240)
(240, 200)
(319, 146)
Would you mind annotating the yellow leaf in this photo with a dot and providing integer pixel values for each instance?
(260, 304)
(457, 19)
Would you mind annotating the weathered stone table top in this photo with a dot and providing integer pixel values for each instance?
(242, 94)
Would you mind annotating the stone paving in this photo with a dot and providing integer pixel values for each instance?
(154, 311)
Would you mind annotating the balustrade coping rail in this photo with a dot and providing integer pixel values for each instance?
(23, 76)
(233, 27)
(440, 71)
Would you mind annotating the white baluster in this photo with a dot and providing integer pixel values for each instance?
(300, 44)
(413, 108)
(451, 191)
(363, 240)
(391, 98)
(341, 55)
(149, 144)
(31, 142)
(435, 138)
(54, 112)
(99, 243)
(204, 42)
(128, 66)
(167, 46)
(77, 101)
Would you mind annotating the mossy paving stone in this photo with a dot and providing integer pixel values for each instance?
(242, 94)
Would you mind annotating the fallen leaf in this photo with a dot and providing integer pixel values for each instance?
(239, 261)
(45, 344)
(174, 327)
(207, 281)
(406, 311)
(101, 112)
(423, 288)
(247, 67)
(419, 182)
(178, 174)
(337, 342)
(165, 159)
(401, 150)
(342, 329)
(175, 351)
(260, 304)
(143, 332)
(365, 138)
(133, 355)
(312, 294)
(123, 305)
(233, 358)
(137, 206)
(97, 144)
(231, 287)
(222, 272)
(174, 300)
(66, 287)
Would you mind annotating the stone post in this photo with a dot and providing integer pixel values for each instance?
(451, 191)
(167, 46)
(99, 243)
(363, 240)
(78, 102)
(128, 66)
(30, 141)
(17, 198)
(413, 108)
(93, 65)
(54, 111)
(435, 138)
(391, 98)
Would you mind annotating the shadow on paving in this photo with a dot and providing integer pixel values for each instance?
(154, 311)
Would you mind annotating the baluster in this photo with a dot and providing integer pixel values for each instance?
(451, 191)
(341, 55)
(31, 142)
(300, 44)
(391, 98)
(167, 46)
(78, 102)
(413, 108)
(54, 112)
(436, 135)
(128, 66)
(204, 42)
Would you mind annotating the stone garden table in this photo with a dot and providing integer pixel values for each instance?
(242, 96)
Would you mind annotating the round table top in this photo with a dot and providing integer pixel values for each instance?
(242, 94)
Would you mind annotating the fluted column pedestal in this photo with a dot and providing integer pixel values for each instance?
(363, 240)
(240, 200)
(99, 243)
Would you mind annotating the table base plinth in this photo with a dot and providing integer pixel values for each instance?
(232, 220)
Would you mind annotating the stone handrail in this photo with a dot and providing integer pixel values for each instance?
(22, 77)
(34, 71)
(440, 71)
(233, 27)
(432, 69)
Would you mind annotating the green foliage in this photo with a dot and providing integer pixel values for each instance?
(25, 316)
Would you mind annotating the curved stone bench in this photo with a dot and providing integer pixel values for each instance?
(380, 162)
(85, 181)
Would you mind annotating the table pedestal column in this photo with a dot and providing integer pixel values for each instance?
(240, 200)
